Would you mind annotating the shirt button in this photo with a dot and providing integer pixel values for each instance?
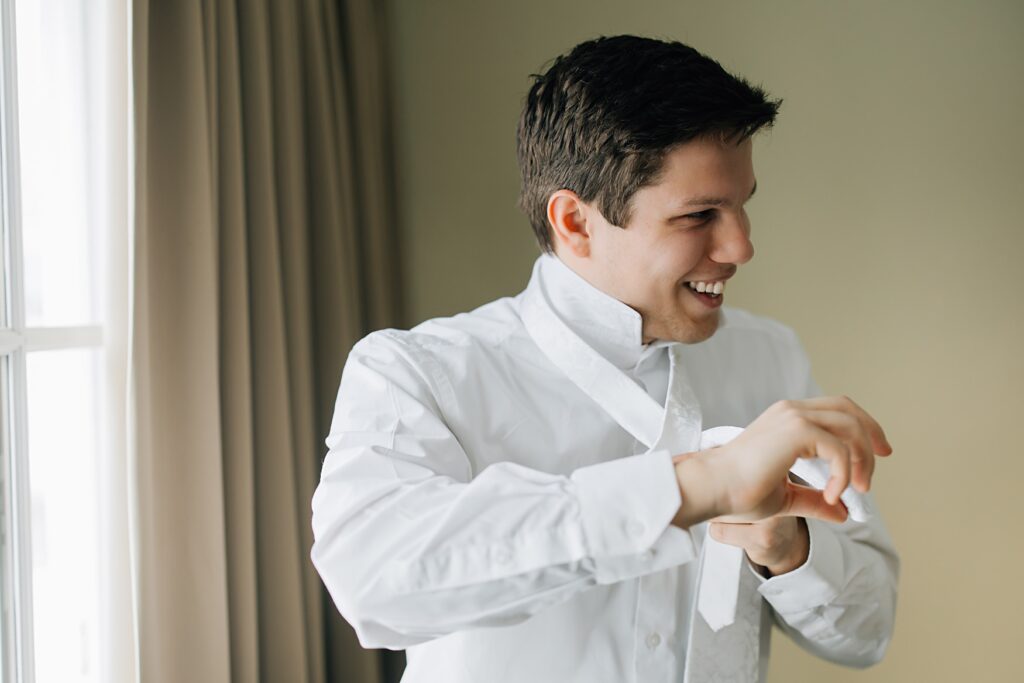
(649, 554)
(502, 555)
(653, 640)
(635, 528)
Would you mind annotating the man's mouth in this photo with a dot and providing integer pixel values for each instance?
(708, 292)
(712, 288)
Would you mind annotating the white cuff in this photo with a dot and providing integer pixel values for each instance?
(814, 583)
(626, 508)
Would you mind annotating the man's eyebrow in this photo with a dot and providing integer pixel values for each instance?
(714, 201)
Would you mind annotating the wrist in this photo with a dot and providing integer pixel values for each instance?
(800, 550)
(698, 488)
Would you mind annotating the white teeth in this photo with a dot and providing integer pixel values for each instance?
(713, 288)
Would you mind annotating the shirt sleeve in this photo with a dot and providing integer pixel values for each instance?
(841, 603)
(412, 546)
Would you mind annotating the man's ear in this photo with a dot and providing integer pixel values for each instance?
(567, 216)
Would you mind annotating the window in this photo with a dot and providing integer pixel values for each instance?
(63, 131)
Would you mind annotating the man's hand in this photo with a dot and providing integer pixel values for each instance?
(779, 544)
(746, 479)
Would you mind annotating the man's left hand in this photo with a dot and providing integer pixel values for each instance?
(779, 544)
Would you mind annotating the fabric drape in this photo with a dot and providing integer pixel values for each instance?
(263, 249)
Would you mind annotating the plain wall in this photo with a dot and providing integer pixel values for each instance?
(888, 228)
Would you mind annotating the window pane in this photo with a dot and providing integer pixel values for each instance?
(63, 437)
(55, 124)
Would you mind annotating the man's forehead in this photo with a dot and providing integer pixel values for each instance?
(700, 169)
(706, 199)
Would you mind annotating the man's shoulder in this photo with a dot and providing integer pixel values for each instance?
(485, 328)
(740, 324)
(754, 354)
(743, 336)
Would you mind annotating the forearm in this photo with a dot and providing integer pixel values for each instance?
(430, 556)
(840, 605)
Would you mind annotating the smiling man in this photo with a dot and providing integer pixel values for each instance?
(687, 228)
(533, 491)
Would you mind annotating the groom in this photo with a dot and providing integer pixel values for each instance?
(525, 491)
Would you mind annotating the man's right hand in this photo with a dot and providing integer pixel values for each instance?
(747, 479)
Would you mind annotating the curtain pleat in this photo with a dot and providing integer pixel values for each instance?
(263, 250)
(236, 363)
(336, 264)
(368, 99)
(179, 566)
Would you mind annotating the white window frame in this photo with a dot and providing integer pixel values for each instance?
(16, 341)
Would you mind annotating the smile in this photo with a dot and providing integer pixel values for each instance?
(709, 288)
(708, 293)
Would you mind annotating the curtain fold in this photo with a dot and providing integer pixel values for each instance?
(264, 248)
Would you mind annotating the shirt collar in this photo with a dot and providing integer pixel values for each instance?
(610, 327)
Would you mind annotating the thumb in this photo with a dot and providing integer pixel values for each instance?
(804, 501)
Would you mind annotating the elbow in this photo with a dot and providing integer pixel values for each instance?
(884, 623)
(877, 648)
(359, 598)
(872, 627)
(859, 653)
(348, 561)
(873, 639)
(870, 655)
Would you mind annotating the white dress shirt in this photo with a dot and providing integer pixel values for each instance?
(486, 514)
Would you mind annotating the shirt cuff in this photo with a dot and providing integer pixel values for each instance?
(626, 510)
(816, 582)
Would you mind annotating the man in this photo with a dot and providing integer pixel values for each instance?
(524, 492)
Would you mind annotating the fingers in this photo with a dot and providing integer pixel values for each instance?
(676, 459)
(800, 501)
(824, 444)
(804, 501)
(860, 432)
(857, 440)
(879, 442)
(834, 429)
(731, 533)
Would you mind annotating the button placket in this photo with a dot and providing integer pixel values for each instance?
(657, 621)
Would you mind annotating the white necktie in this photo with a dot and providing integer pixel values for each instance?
(721, 565)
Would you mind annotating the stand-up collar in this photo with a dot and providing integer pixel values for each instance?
(607, 325)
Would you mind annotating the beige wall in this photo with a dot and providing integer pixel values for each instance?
(888, 226)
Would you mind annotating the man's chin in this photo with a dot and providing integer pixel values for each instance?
(700, 330)
(687, 331)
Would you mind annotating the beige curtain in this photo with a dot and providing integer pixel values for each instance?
(263, 249)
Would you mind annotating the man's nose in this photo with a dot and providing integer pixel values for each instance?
(732, 241)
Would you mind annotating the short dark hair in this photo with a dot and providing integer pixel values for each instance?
(600, 120)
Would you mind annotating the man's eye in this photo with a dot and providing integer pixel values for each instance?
(701, 215)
